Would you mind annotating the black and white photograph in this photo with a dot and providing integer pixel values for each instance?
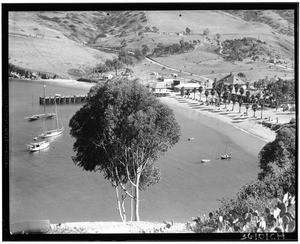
(150, 121)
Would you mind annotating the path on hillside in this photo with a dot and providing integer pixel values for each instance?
(224, 73)
(170, 68)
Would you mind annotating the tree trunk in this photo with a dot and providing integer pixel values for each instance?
(261, 115)
(136, 200)
(240, 108)
(119, 205)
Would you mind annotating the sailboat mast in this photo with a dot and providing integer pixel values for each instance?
(44, 100)
(225, 147)
(56, 114)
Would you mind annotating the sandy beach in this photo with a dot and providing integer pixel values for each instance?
(247, 123)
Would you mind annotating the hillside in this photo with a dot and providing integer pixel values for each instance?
(69, 43)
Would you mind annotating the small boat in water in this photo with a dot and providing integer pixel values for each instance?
(40, 116)
(54, 132)
(225, 155)
(38, 146)
(205, 160)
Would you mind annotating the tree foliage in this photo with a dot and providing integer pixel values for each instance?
(280, 153)
(121, 131)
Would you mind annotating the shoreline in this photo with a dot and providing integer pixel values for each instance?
(249, 125)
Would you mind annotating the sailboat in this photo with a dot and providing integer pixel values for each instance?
(54, 132)
(41, 116)
(225, 155)
(38, 146)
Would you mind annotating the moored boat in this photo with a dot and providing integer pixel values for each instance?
(226, 156)
(52, 133)
(37, 146)
(205, 160)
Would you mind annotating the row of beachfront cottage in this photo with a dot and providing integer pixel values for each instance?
(162, 86)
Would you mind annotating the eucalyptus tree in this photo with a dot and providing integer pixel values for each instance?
(114, 64)
(100, 68)
(120, 132)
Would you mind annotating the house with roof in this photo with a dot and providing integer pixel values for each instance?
(189, 85)
(159, 89)
(233, 79)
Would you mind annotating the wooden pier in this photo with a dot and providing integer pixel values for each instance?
(63, 99)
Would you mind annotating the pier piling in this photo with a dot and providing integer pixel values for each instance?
(68, 99)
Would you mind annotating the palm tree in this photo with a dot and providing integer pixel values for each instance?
(182, 91)
(262, 104)
(225, 97)
(194, 91)
(252, 99)
(247, 107)
(247, 94)
(236, 88)
(188, 93)
(254, 108)
(230, 88)
(240, 104)
(219, 89)
(200, 91)
(212, 93)
(234, 100)
(242, 91)
(206, 94)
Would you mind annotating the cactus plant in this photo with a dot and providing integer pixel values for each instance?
(276, 219)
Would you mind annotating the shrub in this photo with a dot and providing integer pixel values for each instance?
(280, 218)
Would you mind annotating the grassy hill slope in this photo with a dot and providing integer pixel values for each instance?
(60, 42)
(36, 45)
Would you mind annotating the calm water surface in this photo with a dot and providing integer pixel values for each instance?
(47, 184)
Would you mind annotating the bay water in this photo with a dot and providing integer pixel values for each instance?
(48, 185)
